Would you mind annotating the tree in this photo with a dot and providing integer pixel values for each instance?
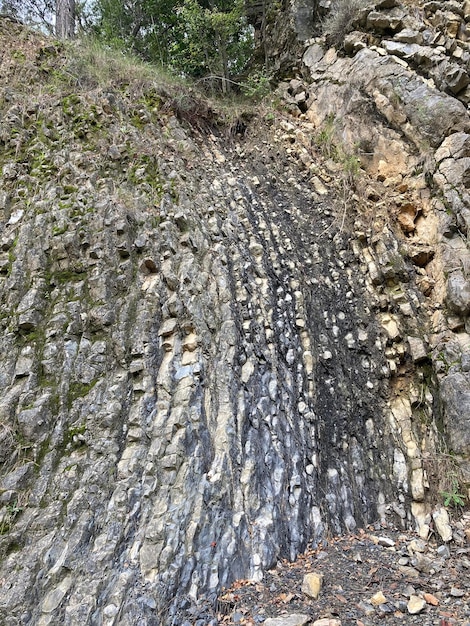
(213, 39)
(65, 19)
(53, 16)
(145, 27)
(39, 13)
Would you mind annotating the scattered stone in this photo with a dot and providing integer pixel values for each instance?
(407, 35)
(406, 217)
(415, 605)
(386, 542)
(366, 608)
(296, 619)
(386, 608)
(168, 327)
(111, 610)
(327, 621)
(114, 152)
(423, 563)
(417, 545)
(430, 599)
(458, 293)
(456, 79)
(409, 572)
(456, 592)
(312, 584)
(424, 531)
(381, 21)
(378, 598)
(319, 187)
(442, 524)
(443, 551)
(353, 42)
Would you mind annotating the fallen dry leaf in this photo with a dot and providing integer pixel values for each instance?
(430, 599)
(285, 597)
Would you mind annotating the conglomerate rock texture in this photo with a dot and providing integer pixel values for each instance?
(217, 349)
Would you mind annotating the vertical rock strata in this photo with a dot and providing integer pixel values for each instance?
(395, 100)
(191, 389)
(192, 377)
(206, 363)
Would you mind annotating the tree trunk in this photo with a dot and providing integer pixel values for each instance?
(223, 60)
(65, 19)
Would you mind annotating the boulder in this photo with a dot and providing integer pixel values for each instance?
(312, 584)
(455, 397)
(458, 293)
(456, 79)
(455, 146)
(385, 21)
(442, 524)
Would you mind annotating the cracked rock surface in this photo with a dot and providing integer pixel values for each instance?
(212, 352)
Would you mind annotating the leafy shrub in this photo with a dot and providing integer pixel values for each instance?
(257, 86)
(453, 498)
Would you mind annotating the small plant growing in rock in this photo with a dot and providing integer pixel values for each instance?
(445, 479)
(8, 516)
(351, 166)
(325, 138)
(452, 497)
(257, 86)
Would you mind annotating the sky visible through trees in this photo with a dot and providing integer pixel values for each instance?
(207, 40)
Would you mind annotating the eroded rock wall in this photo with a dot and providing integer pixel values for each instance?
(390, 99)
(192, 388)
(214, 351)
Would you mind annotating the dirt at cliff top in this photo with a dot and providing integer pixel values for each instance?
(356, 571)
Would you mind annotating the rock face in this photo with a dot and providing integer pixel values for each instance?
(190, 386)
(207, 363)
(388, 72)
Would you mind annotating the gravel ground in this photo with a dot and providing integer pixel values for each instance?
(359, 572)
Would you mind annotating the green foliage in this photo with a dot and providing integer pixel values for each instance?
(145, 170)
(331, 148)
(38, 13)
(257, 86)
(79, 390)
(446, 478)
(351, 165)
(324, 138)
(95, 63)
(202, 39)
(212, 41)
(452, 497)
(9, 515)
(194, 38)
(143, 27)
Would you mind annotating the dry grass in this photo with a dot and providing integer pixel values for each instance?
(91, 64)
(446, 479)
(340, 20)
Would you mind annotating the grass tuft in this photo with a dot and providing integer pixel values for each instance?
(341, 20)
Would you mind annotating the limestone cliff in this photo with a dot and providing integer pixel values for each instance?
(219, 348)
